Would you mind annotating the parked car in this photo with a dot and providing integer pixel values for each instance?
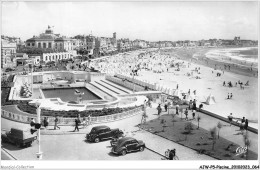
(18, 137)
(99, 133)
(126, 145)
(115, 140)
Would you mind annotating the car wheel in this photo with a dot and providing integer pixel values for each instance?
(123, 152)
(29, 144)
(141, 148)
(97, 140)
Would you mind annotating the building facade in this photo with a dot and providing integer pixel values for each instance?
(8, 51)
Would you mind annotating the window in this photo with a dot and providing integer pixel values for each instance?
(49, 45)
(33, 44)
(44, 45)
(39, 45)
(28, 44)
(46, 58)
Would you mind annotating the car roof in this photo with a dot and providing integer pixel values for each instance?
(126, 139)
(100, 127)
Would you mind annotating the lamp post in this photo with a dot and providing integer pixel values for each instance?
(133, 80)
(39, 153)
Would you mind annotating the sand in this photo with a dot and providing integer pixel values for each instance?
(243, 104)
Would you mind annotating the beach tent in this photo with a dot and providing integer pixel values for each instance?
(210, 100)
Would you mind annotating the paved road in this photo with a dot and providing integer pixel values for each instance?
(74, 147)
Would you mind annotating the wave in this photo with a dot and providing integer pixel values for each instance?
(233, 56)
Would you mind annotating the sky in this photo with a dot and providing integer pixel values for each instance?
(151, 21)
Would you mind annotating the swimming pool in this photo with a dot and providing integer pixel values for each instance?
(67, 94)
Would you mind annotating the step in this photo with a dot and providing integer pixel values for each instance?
(105, 90)
(111, 88)
(100, 93)
(122, 88)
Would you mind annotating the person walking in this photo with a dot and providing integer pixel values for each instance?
(193, 114)
(177, 109)
(194, 104)
(231, 95)
(45, 122)
(159, 109)
(76, 125)
(186, 114)
(56, 123)
(166, 106)
(190, 104)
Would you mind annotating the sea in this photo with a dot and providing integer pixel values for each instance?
(247, 56)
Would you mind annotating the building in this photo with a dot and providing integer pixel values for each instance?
(49, 40)
(8, 50)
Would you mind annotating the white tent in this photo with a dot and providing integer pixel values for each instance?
(210, 100)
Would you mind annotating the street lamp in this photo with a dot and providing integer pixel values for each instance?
(133, 80)
(38, 121)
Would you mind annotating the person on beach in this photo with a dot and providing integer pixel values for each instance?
(194, 92)
(186, 114)
(228, 96)
(189, 91)
(231, 95)
(177, 86)
(224, 83)
(159, 109)
(230, 117)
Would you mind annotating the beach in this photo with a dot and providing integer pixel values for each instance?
(190, 69)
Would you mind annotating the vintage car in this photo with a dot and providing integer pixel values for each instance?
(115, 140)
(19, 137)
(126, 145)
(99, 133)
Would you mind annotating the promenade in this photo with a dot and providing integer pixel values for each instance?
(130, 127)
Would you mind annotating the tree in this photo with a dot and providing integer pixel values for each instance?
(198, 119)
(163, 124)
(219, 127)
(247, 143)
(188, 128)
(213, 134)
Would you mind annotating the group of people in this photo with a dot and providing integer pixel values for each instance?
(242, 85)
(243, 124)
(230, 96)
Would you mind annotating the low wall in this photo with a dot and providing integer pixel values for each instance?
(71, 121)
(226, 120)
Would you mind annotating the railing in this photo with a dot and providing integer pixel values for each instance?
(71, 121)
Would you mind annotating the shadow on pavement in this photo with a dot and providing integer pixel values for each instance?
(12, 147)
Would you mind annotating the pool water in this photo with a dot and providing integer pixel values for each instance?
(68, 95)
